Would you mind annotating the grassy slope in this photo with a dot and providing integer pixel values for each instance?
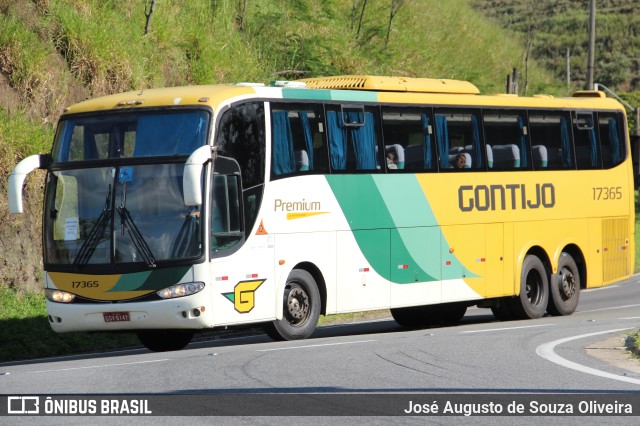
(55, 52)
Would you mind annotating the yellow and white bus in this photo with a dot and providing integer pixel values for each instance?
(180, 209)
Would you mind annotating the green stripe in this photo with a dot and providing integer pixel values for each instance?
(150, 280)
(395, 227)
(330, 95)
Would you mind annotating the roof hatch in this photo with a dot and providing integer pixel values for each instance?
(391, 84)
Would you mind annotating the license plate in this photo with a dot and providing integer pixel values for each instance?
(116, 316)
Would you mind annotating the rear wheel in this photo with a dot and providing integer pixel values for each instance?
(534, 290)
(301, 308)
(565, 287)
(165, 340)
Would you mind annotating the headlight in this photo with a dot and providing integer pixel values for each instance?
(59, 296)
(180, 290)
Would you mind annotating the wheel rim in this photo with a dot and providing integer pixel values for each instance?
(297, 305)
(567, 284)
(534, 287)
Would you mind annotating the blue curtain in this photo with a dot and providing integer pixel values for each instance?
(594, 147)
(170, 134)
(616, 155)
(283, 158)
(475, 142)
(523, 143)
(442, 137)
(364, 141)
(428, 158)
(337, 141)
(308, 140)
(66, 138)
(565, 140)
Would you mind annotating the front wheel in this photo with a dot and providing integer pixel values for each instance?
(565, 287)
(534, 290)
(301, 308)
(165, 340)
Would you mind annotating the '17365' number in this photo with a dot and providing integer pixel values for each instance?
(607, 193)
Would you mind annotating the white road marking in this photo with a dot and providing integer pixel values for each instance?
(607, 309)
(96, 366)
(546, 351)
(315, 346)
(506, 328)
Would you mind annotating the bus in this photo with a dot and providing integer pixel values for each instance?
(173, 210)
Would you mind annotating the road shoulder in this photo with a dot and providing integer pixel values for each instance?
(615, 351)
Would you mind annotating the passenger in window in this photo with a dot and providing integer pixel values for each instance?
(459, 161)
(392, 160)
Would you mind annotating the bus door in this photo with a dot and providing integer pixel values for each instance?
(241, 263)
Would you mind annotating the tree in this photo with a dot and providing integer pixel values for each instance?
(395, 7)
(149, 7)
(364, 5)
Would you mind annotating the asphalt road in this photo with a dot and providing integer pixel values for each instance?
(479, 355)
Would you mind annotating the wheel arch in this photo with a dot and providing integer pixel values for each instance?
(541, 254)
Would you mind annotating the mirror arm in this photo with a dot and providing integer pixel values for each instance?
(18, 176)
(192, 178)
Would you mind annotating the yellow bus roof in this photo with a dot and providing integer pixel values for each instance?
(211, 95)
(356, 88)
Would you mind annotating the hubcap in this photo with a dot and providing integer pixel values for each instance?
(297, 305)
(567, 284)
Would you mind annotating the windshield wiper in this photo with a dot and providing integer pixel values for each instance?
(96, 233)
(133, 231)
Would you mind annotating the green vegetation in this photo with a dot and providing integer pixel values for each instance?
(551, 28)
(57, 52)
(632, 343)
(23, 314)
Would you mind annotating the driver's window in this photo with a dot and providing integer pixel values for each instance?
(226, 224)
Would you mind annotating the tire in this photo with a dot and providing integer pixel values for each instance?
(301, 308)
(165, 340)
(534, 290)
(565, 287)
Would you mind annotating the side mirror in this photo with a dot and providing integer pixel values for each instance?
(19, 174)
(192, 178)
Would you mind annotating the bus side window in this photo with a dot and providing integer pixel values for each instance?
(353, 139)
(459, 139)
(506, 137)
(586, 142)
(612, 143)
(241, 136)
(551, 145)
(408, 136)
(297, 140)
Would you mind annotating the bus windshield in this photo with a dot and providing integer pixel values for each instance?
(119, 215)
(130, 134)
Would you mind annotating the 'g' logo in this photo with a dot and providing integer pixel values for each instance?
(243, 296)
